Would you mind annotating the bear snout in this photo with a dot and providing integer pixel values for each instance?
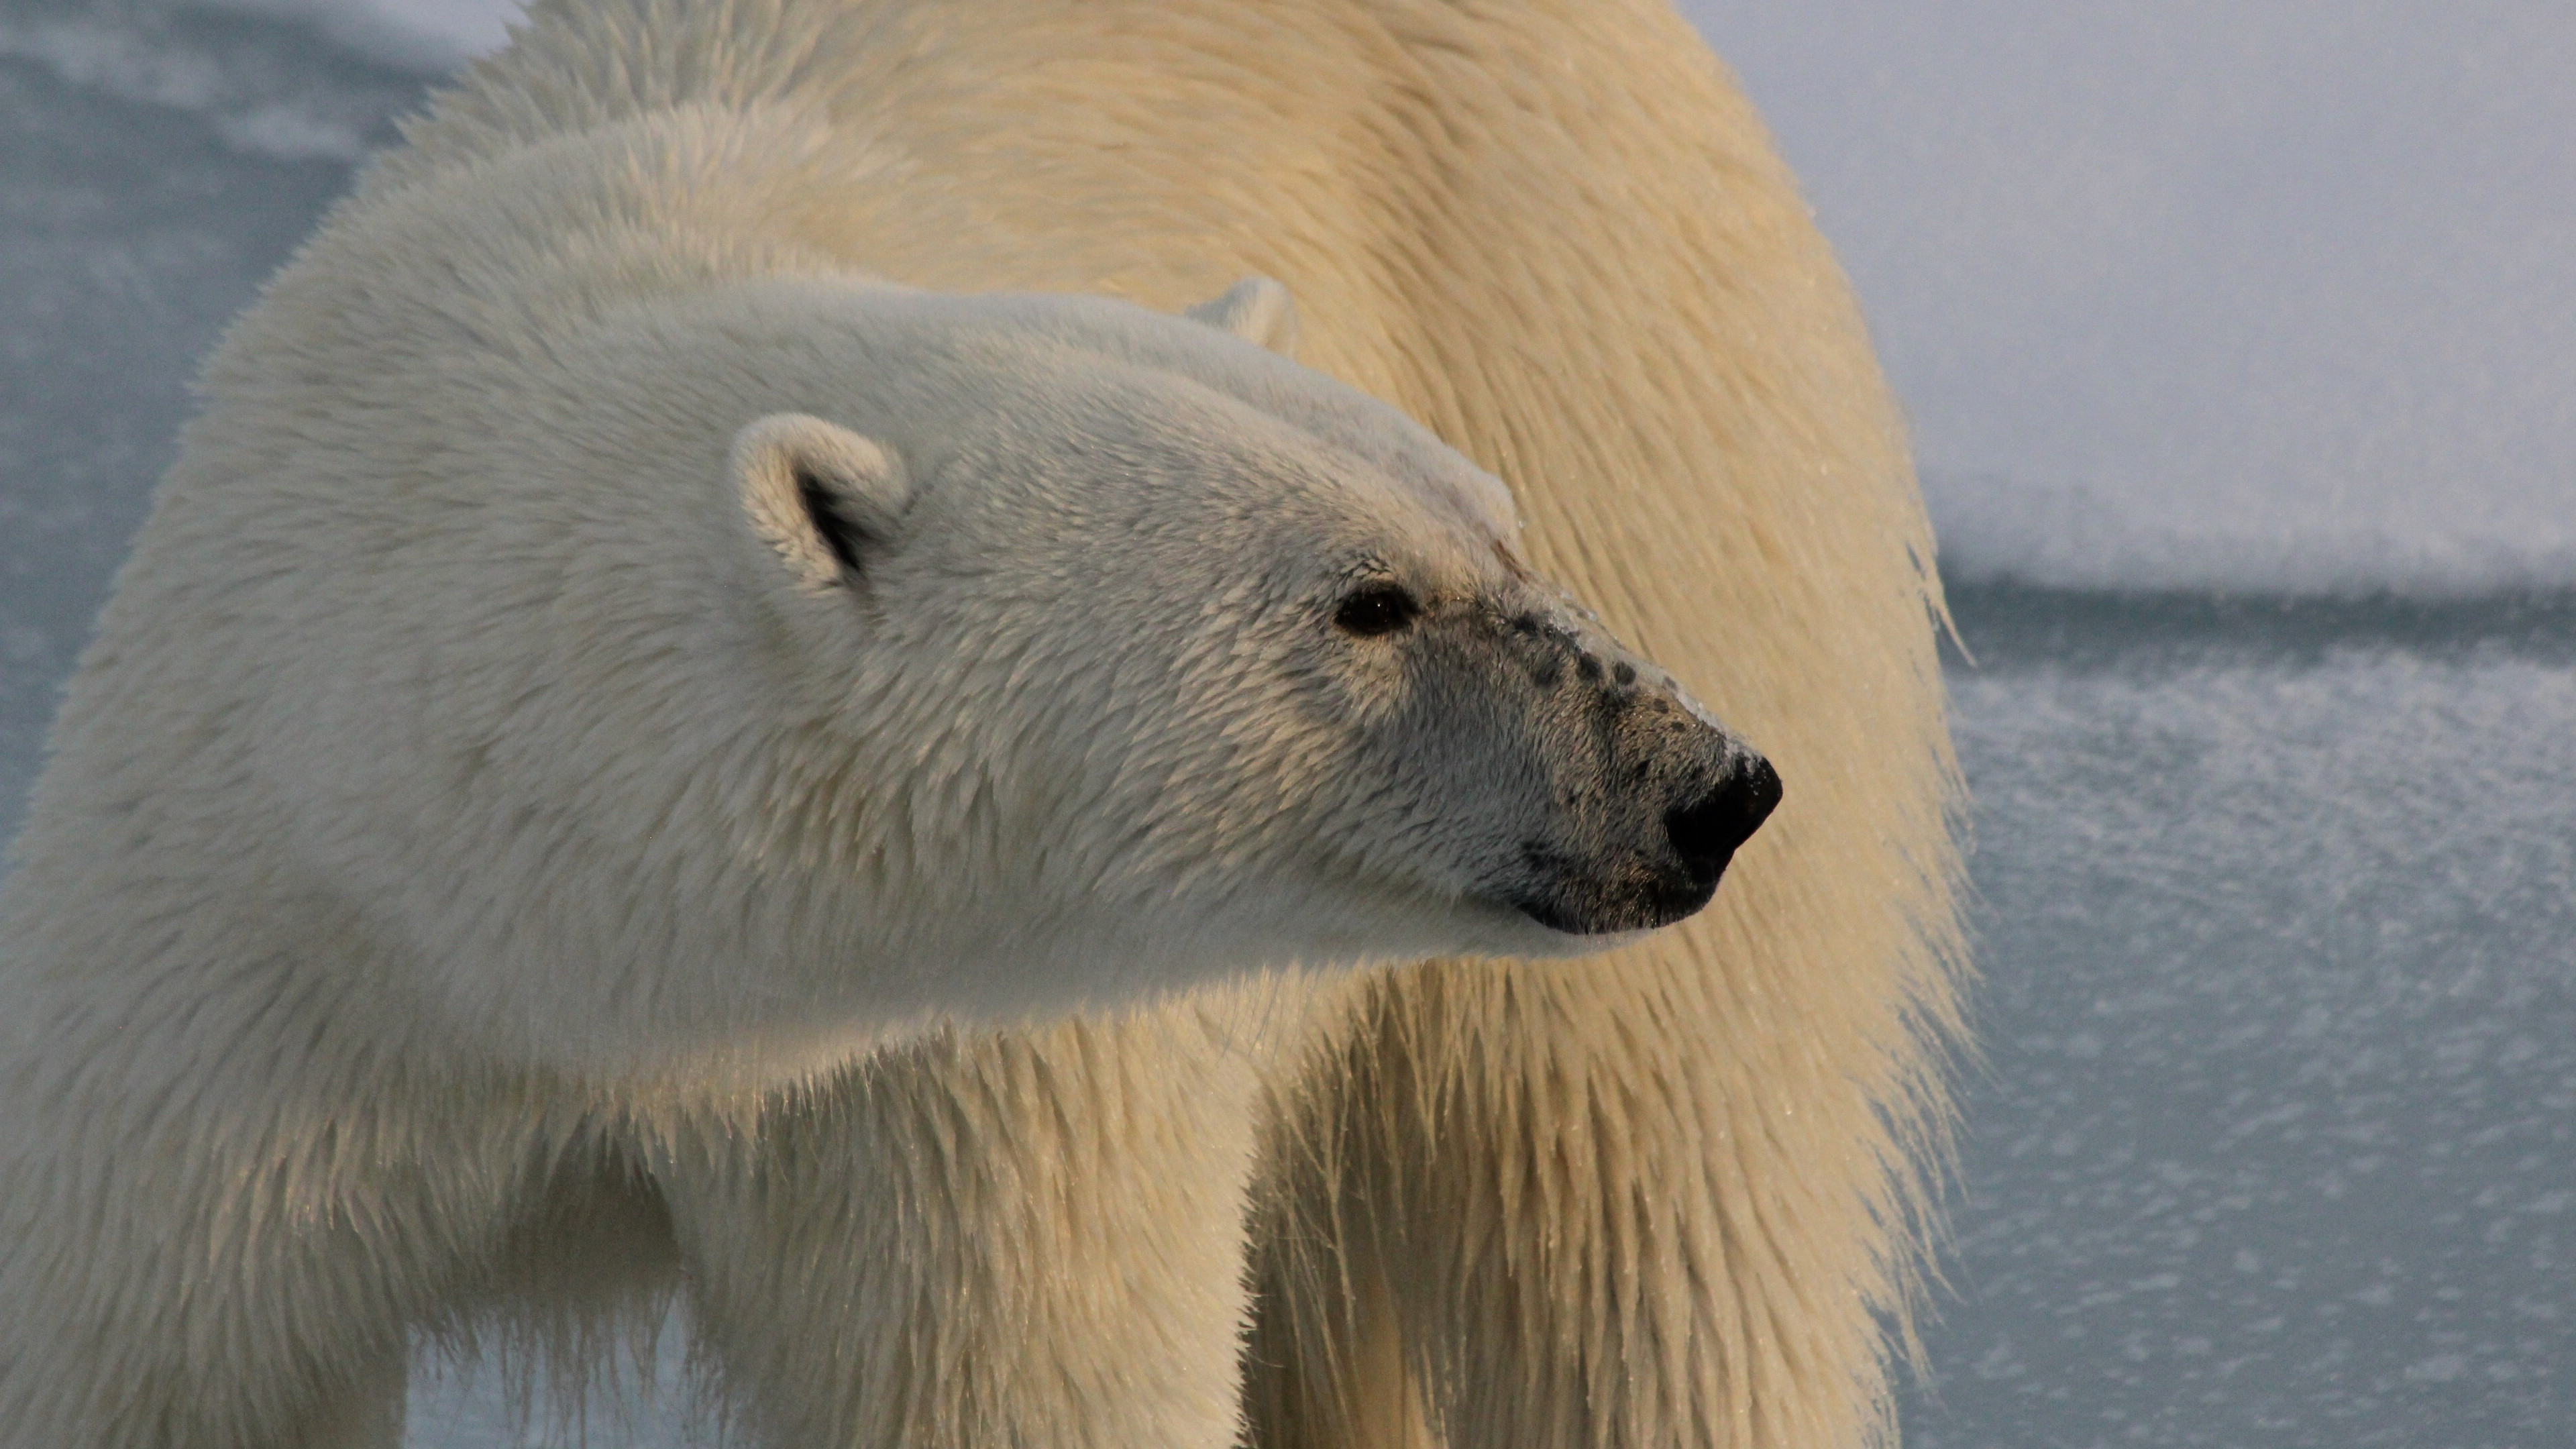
(1670, 866)
(1706, 832)
(1701, 834)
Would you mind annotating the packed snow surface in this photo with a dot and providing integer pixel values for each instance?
(2202, 312)
(2207, 295)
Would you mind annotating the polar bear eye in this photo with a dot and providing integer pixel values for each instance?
(1375, 609)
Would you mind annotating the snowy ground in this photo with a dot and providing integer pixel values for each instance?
(2273, 1142)
(2278, 899)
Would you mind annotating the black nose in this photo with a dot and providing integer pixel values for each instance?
(1706, 832)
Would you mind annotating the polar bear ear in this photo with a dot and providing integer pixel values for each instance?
(1256, 309)
(824, 497)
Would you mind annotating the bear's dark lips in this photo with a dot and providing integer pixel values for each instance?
(1666, 901)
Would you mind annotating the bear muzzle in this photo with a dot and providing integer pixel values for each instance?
(1638, 798)
(1654, 882)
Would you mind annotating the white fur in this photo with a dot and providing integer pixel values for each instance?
(362, 985)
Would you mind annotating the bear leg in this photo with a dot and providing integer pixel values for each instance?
(1512, 1204)
(1029, 1238)
(239, 1259)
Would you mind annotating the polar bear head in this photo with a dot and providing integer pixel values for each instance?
(1132, 652)
(816, 655)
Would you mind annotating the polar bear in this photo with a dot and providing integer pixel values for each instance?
(566, 790)
(437, 908)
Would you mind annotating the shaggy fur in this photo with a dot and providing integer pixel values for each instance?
(1663, 1196)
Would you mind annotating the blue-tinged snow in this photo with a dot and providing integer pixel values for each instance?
(2207, 316)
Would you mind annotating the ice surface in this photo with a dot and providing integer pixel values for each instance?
(2204, 294)
(2278, 909)
(2276, 1139)
(264, 90)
